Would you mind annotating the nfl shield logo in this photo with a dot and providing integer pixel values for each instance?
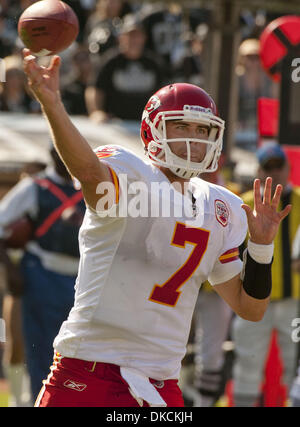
(221, 211)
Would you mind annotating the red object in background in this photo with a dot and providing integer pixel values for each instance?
(276, 42)
(293, 154)
(267, 116)
(272, 388)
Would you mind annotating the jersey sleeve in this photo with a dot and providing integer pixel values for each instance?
(121, 160)
(125, 168)
(228, 263)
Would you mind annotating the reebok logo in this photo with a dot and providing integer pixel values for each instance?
(74, 385)
(159, 384)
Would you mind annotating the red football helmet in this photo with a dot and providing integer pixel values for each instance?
(181, 101)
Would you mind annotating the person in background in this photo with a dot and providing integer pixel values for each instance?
(101, 30)
(8, 34)
(170, 27)
(14, 95)
(253, 83)
(189, 66)
(83, 10)
(73, 89)
(251, 342)
(45, 278)
(13, 357)
(127, 77)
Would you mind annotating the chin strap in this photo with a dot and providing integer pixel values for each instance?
(183, 173)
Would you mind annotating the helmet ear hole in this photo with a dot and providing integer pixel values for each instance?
(145, 134)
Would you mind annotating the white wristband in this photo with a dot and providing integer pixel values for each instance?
(262, 254)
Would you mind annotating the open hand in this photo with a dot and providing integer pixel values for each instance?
(43, 81)
(264, 220)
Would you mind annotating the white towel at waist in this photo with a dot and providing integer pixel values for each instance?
(141, 388)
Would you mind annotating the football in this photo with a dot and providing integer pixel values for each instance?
(48, 27)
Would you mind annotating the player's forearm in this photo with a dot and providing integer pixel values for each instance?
(243, 304)
(74, 150)
(251, 308)
(256, 279)
(248, 293)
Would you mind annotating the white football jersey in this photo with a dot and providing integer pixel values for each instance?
(136, 287)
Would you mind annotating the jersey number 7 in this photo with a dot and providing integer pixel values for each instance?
(168, 293)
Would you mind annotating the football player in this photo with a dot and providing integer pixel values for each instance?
(126, 335)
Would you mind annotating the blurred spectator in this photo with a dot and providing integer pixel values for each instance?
(168, 28)
(127, 77)
(73, 90)
(165, 27)
(14, 96)
(49, 265)
(83, 10)
(253, 83)
(8, 34)
(251, 340)
(14, 358)
(32, 169)
(101, 31)
(189, 67)
(3, 5)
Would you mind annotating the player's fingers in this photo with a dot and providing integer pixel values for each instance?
(54, 64)
(285, 212)
(267, 191)
(26, 52)
(277, 195)
(34, 79)
(247, 210)
(29, 60)
(256, 193)
(30, 65)
(33, 70)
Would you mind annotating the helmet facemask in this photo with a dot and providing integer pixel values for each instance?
(186, 168)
